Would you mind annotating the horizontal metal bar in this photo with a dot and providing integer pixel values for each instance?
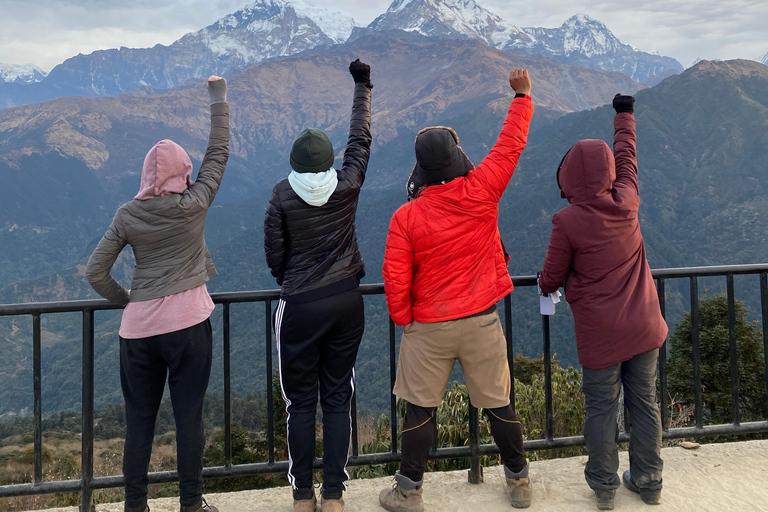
(7, 491)
(368, 289)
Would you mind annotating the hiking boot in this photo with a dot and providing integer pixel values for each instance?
(304, 500)
(519, 487)
(648, 497)
(140, 508)
(404, 496)
(604, 499)
(203, 506)
(329, 505)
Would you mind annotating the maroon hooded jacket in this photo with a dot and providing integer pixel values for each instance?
(596, 251)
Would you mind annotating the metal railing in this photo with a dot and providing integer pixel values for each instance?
(88, 483)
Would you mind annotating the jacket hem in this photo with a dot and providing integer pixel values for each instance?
(459, 314)
(323, 292)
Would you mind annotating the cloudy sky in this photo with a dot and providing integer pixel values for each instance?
(45, 32)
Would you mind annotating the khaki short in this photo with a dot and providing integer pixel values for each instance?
(429, 351)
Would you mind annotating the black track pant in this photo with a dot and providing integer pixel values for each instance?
(184, 358)
(317, 346)
(419, 432)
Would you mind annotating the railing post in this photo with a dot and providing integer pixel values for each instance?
(510, 348)
(355, 442)
(87, 412)
(550, 427)
(270, 410)
(764, 304)
(695, 352)
(662, 292)
(38, 397)
(732, 349)
(227, 388)
(475, 469)
(392, 376)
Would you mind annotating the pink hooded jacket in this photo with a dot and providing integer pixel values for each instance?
(167, 170)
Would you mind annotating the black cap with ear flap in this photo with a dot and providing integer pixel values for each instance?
(559, 167)
(439, 159)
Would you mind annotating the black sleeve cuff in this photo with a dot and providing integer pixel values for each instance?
(520, 95)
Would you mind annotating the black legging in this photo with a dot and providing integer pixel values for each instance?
(419, 432)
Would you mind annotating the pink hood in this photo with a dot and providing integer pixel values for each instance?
(167, 170)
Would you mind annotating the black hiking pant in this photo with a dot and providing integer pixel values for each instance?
(317, 347)
(184, 358)
(418, 435)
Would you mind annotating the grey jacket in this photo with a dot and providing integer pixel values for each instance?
(166, 233)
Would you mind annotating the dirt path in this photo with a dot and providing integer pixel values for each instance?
(717, 478)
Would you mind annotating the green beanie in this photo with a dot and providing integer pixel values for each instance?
(312, 151)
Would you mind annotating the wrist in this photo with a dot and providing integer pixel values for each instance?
(522, 95)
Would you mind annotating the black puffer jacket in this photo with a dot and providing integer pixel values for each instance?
(312, 250)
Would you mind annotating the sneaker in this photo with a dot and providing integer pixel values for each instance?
(202, 507)
(604, 499)
(404, 496)
(648, 497)
(304, 500)
(519, 488)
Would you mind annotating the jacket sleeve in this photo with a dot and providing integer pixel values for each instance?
(557, 263)
(274, 238)
(204, 189)
(398, 272)
(624, 151)
(359, 144)
(494, 172)
(100, 265)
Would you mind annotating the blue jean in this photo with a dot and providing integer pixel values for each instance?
(184, 357)
(601, 389)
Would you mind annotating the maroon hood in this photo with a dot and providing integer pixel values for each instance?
(587, 172)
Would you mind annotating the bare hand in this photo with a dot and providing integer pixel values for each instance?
(213, 78)
(520, 81)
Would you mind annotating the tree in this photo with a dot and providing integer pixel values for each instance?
(715, 362)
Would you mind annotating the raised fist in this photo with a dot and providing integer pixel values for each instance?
(217, 89)
(520, 81)
(623, 103)
(361, 72)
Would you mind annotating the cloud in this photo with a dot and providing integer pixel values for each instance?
(45, 32)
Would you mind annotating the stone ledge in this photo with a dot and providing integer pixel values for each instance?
(716, 477)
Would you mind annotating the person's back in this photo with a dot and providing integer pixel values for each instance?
(444, 270)
(310, 242)
(597, 252)
(607, 279)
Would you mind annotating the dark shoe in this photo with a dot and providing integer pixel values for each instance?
(519, 488)
(304, 500)
(203, 506)
(145, 508)
(604, 499)
(404, 496)
(648, 497)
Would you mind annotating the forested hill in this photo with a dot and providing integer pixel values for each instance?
(702, 151)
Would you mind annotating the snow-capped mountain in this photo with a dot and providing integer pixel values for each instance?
(449, 19)
(581, 40)
(21, 74)
(584, 41)
(262, 30)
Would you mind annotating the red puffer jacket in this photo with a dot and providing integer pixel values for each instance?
(597, 251)
(444, 258)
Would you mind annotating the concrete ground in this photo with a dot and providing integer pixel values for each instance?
(717, 477)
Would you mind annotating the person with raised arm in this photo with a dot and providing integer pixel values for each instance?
(445, 269)
(165, 331)
(597, 253)
(310, 241)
